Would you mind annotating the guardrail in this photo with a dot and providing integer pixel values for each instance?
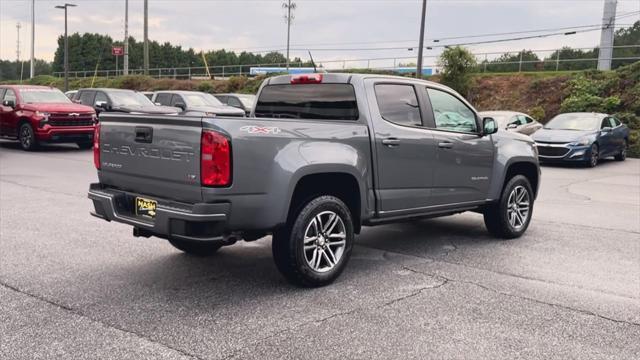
(486, 63)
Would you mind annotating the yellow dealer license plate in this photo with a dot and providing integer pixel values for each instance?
(146, 207)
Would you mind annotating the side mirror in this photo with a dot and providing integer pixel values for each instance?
(606, 129)
(103, 105)
(512, 126)
(9, 103)
(180, 105)
(157, 104)
(489, 126)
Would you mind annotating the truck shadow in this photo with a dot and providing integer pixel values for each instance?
(14, 145)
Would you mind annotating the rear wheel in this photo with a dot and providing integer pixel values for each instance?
(595, 156)
(622, 155)
(510, 217)
(197, 248)
(315, 247)
(27, 137)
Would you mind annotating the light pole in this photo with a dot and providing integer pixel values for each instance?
(289, 6)
(421, 46)
(66, 46)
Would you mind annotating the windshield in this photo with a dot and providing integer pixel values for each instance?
(129, 98)
(194, 100)
(580, 122)
(247, 100)
(35, 96)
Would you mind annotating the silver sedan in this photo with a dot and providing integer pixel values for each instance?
(514, 121)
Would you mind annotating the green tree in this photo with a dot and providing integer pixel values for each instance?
(457, 65)
(510, 62)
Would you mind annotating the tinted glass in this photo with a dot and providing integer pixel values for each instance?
(177, 99)
(86, 97)
(223, 99)
(450, 113)
(308, 101)
(9, 95)
(398, 104)
(616, 121)
(100, 96)
(164, 99)
(235, 103)
(528, 120)
(39, 96)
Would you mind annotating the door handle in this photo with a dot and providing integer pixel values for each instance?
(445, 145)
(391, 142)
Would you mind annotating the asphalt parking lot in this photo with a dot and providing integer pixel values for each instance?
(73, 286)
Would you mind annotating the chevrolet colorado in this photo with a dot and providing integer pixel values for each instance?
(320, 156)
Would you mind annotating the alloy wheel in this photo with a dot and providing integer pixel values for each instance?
(594, 156)
(25, 137)
(518, 206)
(324, 241)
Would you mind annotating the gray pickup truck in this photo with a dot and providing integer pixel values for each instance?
(320, 156)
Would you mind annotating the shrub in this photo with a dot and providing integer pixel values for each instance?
(205, 86)
(457, 65)
(537, 112)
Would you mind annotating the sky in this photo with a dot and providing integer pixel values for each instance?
(348, 25)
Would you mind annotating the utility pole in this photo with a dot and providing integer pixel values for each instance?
(289, 6)
(605, 53)
(18, 26)
(66, 46)
(146, 37)
(125, 66)
(421, 42)
(32, 71)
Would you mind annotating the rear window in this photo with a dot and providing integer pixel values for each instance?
(308, 101)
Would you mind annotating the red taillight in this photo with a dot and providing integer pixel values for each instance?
(215, 159)
(306, 79)
(96, 146)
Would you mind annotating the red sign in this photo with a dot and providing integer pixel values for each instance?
(117, 51)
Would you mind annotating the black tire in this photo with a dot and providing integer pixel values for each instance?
(85, 145)
(496, 216)
(27, 137)
(197, 248)
(288, 247)
(622, 155)
(595, 156)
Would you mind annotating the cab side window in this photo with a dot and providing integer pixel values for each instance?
(450, 113)
(176, 99)
(163, 99)
(100, 96)
(86, 97)
(606, 122)
(398, 104)
(235, 103)
(10, 95)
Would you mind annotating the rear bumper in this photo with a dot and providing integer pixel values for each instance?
(197, 222)
(64, 134)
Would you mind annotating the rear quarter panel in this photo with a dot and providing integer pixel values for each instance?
(270, 156)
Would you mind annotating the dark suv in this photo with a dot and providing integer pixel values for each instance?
(38, 114)
(121, 100)
(195, 103)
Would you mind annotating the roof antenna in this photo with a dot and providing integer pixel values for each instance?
(315, 70)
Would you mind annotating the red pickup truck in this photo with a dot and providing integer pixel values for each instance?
(38, 114)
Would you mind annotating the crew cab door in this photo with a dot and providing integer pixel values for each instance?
(8, 120)
(464, 158)
(405, 149)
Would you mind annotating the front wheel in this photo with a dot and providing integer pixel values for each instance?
(595, 156)
(197, 248)
(314, 248)
(510, 217)
(27, 137)
(622, 155)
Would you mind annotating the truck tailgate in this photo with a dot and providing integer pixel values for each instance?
(156, 156)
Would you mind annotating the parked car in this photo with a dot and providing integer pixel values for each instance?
(324, 155)
(240, 101)
(39, 114)
(71, 93)
(121, 100)
(514, 121)
(582, 137)
(195, 103)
